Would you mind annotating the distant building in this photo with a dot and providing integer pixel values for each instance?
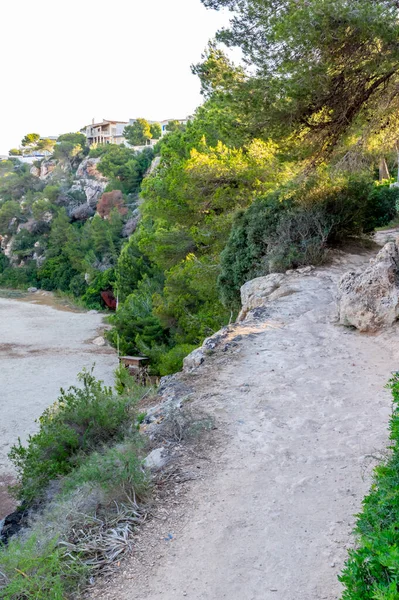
(164, 124)
(106, 132)
(111, 132)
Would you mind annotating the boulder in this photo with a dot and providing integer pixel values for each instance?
(130, 226)
(88, 170)
(12, 524)
(81, 212)
(369, 299)
(193, 360)
(254, 293)
(99, 341)
(156, 459)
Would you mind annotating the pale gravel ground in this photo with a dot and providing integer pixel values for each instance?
(302, 408)
(41, 350)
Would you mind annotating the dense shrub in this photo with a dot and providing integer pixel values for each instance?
(89, 442)
(82, 419)
(372, 570)
(34, 570)
(172, 360)
(21, 277)
(291, 228)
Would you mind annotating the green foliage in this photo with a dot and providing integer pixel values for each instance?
(132, 266)
(139, 133)
(34, 570)
(135, 327)
(87, 440)
(172, 361)
(15, 152)
(22, 277)
(10, 214)
(82, 419)
(156, 131)
(77, 139)
(13, 186)
(103, 280)
(78, 252)
(293, 227)
(125, 166)
(115, 468)
(30, 139)
(318, 82)
(68, 152)
(175, 125)
(371, 571)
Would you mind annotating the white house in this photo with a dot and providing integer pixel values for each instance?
(165, 123)
(106, 132)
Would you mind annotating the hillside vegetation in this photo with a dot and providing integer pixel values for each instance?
(291, 154)
(283, 160)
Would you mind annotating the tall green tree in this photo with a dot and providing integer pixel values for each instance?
(139, 133)
(320, 65)
(30, 139)
(156, 131)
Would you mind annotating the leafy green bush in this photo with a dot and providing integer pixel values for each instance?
(88, 440)
(21, 277)
(33, 570)
(81, 420)
(114, 468)
(172, 361)
(104, 280)
(372, 570)
(291, 228)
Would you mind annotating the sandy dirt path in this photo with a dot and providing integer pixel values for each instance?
(41, 350)
(303, 411)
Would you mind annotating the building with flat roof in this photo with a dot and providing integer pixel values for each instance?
(106, 132)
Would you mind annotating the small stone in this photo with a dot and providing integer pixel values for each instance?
(156, 459)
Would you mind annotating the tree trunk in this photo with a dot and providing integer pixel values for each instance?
(383, 169)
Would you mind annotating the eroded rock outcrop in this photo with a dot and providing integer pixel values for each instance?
(369, 299)
(256, 292)
(45, 170)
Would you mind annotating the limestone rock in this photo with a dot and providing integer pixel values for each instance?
(81, 212)
(369, 299)
(254, 293)
(156, 459)
(99, 341)
(193, 360)
(88, 170)
(130, 226)
(44, 171)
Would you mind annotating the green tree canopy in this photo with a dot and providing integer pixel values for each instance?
(139, 133)
(74, 138)
(156, 131)
(175, 125)
(30, 139)
(125, 167)
(320, 65)
(45, 145)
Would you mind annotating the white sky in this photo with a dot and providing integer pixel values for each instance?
(64, 63)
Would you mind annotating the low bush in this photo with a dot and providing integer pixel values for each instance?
(172, 360)
(295, 227)
(89, 449)
(82, 420)
(33, 570)
(115, 468)
(372, 570)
